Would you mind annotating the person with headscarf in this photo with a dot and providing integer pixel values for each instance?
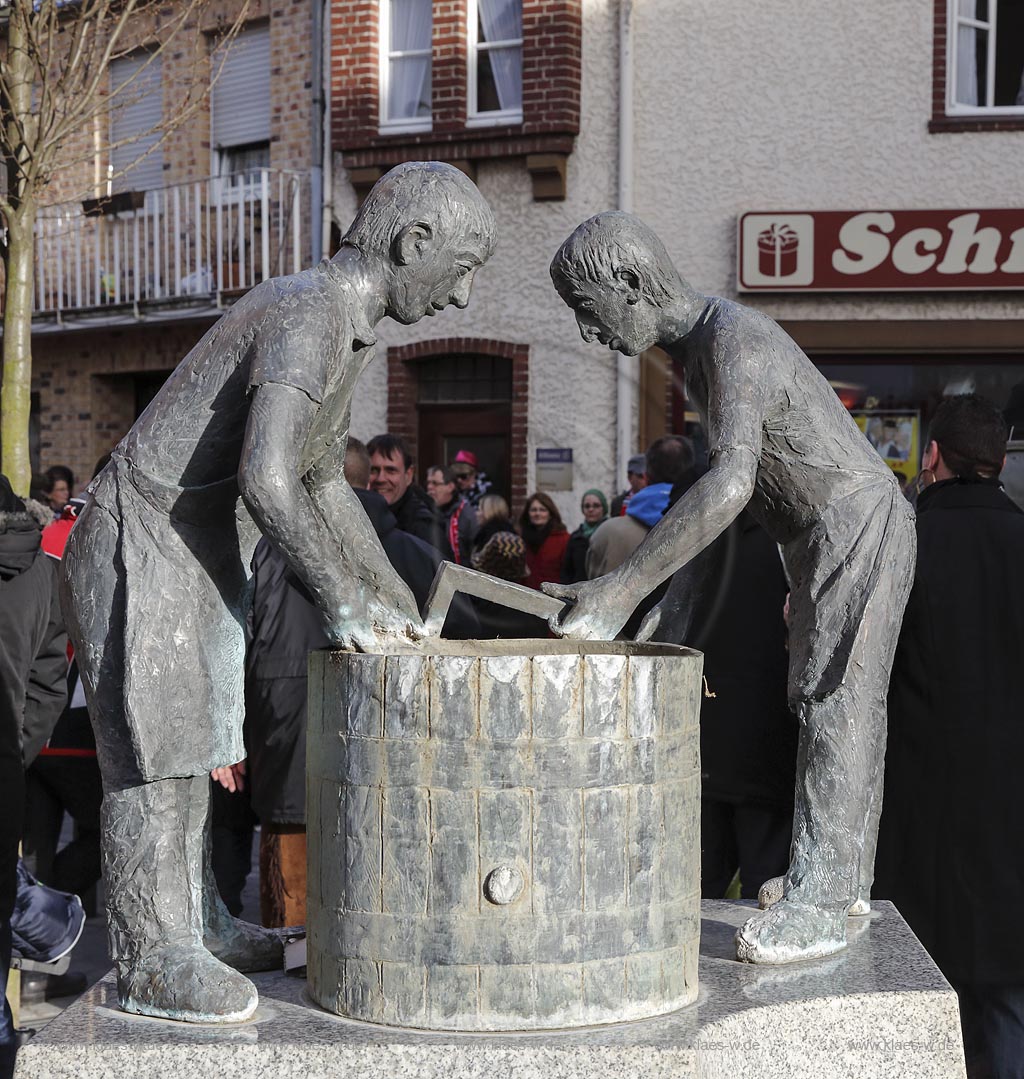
(595, 512)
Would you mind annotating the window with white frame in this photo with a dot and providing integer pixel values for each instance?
(405, 48)
(495, 39)
(240, 107)
(986, 57)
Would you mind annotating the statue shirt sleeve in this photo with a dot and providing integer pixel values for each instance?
(296, 341)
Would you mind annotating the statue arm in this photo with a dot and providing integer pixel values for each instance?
(736, 377)
(357, 605)
(346, 519)
(601, 607)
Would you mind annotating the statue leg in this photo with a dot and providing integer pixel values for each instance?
(240, 944)
(839, 773)
(153, 868)
(866, 871)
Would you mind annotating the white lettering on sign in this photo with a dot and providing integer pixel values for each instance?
(964, 235)
(864, 248)
(1015, 260)
(865, 245)
(907, 254)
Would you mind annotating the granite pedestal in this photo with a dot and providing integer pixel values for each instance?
(878, 1009)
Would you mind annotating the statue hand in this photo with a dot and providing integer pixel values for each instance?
(652, 621)
(597, 612)
(377, 621)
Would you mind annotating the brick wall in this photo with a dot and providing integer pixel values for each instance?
(403, 392)
(86, 385)
(552, 36)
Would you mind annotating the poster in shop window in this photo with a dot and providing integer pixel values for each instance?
(897, 438)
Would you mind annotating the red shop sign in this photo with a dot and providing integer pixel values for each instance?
(880, 250)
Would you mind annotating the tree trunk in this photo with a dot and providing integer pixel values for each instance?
(16, 393)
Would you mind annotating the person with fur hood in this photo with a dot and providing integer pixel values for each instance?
(33, 668)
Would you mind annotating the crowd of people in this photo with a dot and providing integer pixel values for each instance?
(945, 853)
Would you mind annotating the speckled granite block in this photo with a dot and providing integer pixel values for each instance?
(878, 1009)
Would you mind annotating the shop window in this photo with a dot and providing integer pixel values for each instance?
(405, 65)
(985, 62)
(495, 43)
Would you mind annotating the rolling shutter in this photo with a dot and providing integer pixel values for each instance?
(241, 95)
(137, 120)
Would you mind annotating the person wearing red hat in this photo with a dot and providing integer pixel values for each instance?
(472, 483)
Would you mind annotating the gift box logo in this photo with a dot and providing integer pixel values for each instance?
(777, 250)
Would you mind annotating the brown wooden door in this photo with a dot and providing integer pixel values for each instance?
(484, 429)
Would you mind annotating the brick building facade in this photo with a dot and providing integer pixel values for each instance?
(112, 323)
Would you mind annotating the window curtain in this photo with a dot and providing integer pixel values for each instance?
(502, 20)
(409, 77)
(967, 56)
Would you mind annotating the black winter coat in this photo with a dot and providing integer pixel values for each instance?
(33, 667)
(284, 626)
(748, 735)
(574, 564)
(950, 853)
(416, 513)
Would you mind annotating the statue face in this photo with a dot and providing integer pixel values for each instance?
(615, 315)
(442, 275)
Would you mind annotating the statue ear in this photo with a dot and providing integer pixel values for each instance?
(629, 282)
(412, 243)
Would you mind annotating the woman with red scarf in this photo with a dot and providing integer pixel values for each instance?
(546, 538)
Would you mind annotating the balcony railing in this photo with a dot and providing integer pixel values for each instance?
(201, 239)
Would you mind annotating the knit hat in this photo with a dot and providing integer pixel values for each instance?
(504, 556)
(637, 465)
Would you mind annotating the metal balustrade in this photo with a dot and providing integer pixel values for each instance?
(198, 239)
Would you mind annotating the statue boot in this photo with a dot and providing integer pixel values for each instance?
(153, 867)
(238, 943)
(771, 892)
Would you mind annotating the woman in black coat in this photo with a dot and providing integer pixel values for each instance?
(594, 507)
(949, 851)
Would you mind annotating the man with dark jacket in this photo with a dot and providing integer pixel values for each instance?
(949, 848)
(283, 628)
(748, 734)
(391, 476)
(33, 666)
(459, 517)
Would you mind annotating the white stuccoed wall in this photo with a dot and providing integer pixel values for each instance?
(740, 105)
(572, 386)
(779, 105)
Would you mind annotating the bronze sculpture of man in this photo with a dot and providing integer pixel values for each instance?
(780, 440)
(247, 436)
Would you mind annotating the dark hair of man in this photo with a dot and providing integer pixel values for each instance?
(447, 476)
(971, 435)
(41, 486)
(388, 445)
(101, 464)
(62, 472)
(668, 459)
(357, 464)
(546, 501)
(9, 501)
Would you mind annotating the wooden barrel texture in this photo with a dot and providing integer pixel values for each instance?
(504, 840)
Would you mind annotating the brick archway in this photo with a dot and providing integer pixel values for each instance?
(403, 392)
